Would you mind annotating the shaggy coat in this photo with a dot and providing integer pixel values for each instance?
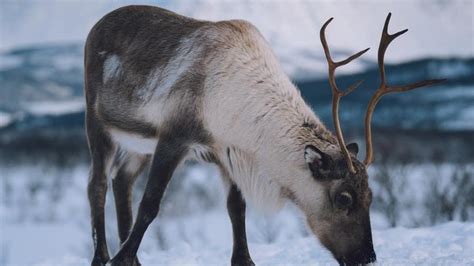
(161, 87)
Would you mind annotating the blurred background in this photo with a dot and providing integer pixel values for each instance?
(423, 173)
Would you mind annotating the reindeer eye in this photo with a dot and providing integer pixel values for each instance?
(343, 200)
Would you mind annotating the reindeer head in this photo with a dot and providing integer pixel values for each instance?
(341, 218)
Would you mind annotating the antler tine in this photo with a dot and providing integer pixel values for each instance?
(385, 40)
(337, 93)
(333, 65)
(383, 88)
(352, 57)
(415, 85)
(322, 36)
(352, 87)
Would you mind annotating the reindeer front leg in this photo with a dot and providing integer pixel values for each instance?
(168, 154)
(236, 209)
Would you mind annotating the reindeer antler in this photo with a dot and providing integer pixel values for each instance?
(384, 88)
(337, 93)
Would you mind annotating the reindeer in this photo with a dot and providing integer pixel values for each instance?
(161, 88)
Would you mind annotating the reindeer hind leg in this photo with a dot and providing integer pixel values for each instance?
(101, 150)
(122, 183)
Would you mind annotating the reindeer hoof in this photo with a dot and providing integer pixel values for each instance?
(136, 262)
(242, 261)
(96, 261)
(124, 262)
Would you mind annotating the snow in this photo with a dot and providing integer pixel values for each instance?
(451, 70)
(464, 121)
(50, 240)
(68, 62)
(8, 61)
(291, 27)
(450, 243)
(44, 211)
(73, 105)
(447, 244)
(5, 119)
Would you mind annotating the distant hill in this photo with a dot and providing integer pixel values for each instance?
(41, 87)
(42, 103)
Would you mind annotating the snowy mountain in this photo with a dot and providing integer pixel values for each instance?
(41, 63)
(292, 28)
(44, 77)
(42, 88)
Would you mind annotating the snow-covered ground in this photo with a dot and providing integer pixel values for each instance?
(448, 244)
(45, 221)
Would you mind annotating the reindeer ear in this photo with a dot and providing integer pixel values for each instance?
(353, 148)
(316, 159)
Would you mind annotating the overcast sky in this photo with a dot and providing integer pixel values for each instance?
(437, 28)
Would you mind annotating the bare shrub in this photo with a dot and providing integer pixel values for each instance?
(451, 197)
